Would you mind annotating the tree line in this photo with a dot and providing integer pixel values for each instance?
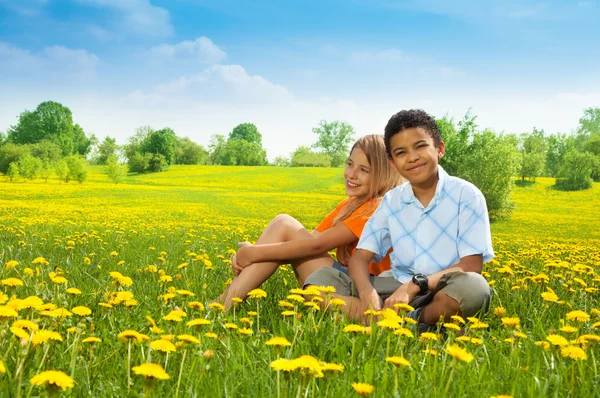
(46, 142)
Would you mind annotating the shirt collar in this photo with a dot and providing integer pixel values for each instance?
(408, 196)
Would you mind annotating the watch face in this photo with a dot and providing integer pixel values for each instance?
(420, 279)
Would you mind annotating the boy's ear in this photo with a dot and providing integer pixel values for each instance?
(441, 148)
(393, 165)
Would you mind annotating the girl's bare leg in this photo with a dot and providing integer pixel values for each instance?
(282, 228)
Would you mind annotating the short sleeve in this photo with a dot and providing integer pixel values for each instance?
(330, 218)
(474, 235)
(375, 236)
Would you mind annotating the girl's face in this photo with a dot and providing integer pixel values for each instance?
(357, 174)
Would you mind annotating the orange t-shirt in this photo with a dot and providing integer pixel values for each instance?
(356, 222)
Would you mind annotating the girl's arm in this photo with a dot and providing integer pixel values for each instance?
(319, 243)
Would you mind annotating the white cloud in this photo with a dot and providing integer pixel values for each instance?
(225, 84)
(51, 62)
(202, 50)
(139, 16)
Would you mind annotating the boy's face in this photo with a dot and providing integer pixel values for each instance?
(415, 155)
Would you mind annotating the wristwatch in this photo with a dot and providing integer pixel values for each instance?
(422, 281)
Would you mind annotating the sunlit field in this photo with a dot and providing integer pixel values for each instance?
(98, 280)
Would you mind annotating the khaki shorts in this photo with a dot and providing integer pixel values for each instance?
(469, 289)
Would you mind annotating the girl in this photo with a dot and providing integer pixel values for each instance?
(368, 175)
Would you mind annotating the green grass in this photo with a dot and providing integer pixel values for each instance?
(163, 219)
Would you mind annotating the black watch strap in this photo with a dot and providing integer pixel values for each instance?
(422, 281)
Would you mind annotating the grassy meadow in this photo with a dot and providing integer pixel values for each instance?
(98, 279)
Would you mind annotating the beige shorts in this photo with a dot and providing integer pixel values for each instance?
(469, 289)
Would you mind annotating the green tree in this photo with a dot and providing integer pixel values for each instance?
(246, 132)
(216, 148)
(188, 152)
(77, 170)
(136, 141)
(589, 124)
(281, 161)
(106, 149)
(334, 139)
(558, 146)
(575, 173)
(52, 121)
(62, 170)
(157, 163)
(46, 171)
(46, 151)
(2, 138)
(243, 153)
(456, 140)
(139, 162)
(492, 162)
(29, 166)
(303, 156)
(533, 154)
(81, 144)
(117, 172)
(13, 171)
(10, 153)
(163, 142)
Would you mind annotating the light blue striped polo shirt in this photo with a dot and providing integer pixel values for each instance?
(455, 224)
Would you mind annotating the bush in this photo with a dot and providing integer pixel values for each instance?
(304, 157)
(10, 153)
(29, 167)
(487, 160)
(139, 162)
(46, 171)
(62, 170)
(13, 171)
(116, 171)
(576, 172)
(77, 170)
(158, 162)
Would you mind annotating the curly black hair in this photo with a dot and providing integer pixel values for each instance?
(407, 119)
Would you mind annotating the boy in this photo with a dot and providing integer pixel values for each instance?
(438, 228)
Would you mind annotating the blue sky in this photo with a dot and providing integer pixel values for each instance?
(201, 67)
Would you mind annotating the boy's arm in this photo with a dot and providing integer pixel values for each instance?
(358, 269)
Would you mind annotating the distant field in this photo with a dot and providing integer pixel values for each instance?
(172, 234)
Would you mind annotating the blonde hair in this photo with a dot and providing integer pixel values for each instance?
(383, 178)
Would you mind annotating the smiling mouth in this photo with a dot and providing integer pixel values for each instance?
(417, 168)
(351, 185)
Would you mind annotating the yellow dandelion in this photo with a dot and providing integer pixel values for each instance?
(20, 333)
(11, 282)
(284, 365)
(81, 311)
(198, 322)
(211, 335)
(54, 378)
(354, 329)
(278, 342)
(337, 302)
(92, 340)
(404, 306)
(283, 303)
(428, 336)
(188, 338)
(7, 312)
(288, 313)
(398, 361)
(163, 346)
(452, 326)
(216, 306)
(11, 264)
(573, 352)
(557, 340)
(196, 305)
(25, 324)
(578, 315)
(151, 370)
(499, 311)
(73, 291)
(363, 388)
(511, 322)
(457, 352)
(246, 331)
(404, 332)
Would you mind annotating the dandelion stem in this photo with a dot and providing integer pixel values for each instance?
(180, 373)
(128, 365)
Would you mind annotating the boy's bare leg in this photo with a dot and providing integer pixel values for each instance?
(282, 228)
(442, 305)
